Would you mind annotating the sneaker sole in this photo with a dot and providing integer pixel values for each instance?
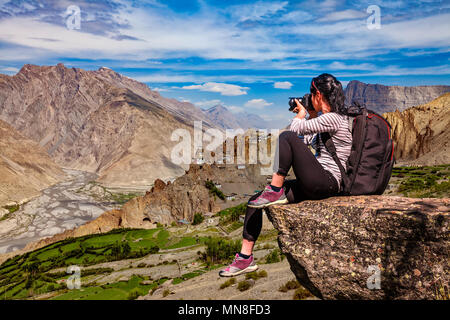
(246, 270)
(259, 206)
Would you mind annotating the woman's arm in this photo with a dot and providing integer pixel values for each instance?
(328, 122)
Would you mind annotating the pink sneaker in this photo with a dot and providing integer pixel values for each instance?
(267, 198)
(239, 266)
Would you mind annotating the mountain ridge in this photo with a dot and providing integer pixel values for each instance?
(225, 119)
(96, 121)
(382, 98)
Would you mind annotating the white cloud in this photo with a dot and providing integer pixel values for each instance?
(224, 89)
(9, 70)
(257, 103)
(342, 66)
(167, 35)
(211, 34)
(297, 16)
(352, 39)
(159, 89)
(256, 11)
(343, 15)
(283, 85)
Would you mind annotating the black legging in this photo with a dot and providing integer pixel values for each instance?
(313, 181)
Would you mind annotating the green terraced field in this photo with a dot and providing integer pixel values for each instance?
(114, 291)
(28, 274)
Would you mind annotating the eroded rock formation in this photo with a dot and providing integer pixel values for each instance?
(336, 246)
(422, 133)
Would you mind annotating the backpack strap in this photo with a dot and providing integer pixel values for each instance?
(329, 145)
(350, 123)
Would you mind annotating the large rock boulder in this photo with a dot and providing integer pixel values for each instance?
(367, 247)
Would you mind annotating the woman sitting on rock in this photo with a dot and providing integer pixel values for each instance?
(317, 177)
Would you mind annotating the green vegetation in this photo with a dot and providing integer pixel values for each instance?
(290, 285)
(228, 283)
(135, 293)
(116, 198)
(423, 182)
(301, 294)
(122, 290)
(244, 285)
(233, 226)
(122, 198)
(214, 190)
(30, 273)
(232, 214)
(229, 218)
(255, 275)
(187, 276)
(198, 218)
(11, 210)
(274, 256)
(220, 250)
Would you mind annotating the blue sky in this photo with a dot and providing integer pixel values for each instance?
(246, 55)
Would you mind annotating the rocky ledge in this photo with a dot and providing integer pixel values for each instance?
(367, 247)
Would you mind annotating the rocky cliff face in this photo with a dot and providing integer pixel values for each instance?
(97, 121)
(422, 133)
(381, 98)
(367, 247)
(25, 167)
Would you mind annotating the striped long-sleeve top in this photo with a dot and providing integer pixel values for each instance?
(337, 125)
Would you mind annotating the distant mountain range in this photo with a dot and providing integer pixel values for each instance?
(382, 98)
(225, 119)
(103, 122)
(97, 121)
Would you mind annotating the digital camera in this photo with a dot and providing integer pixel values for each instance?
(305, 101)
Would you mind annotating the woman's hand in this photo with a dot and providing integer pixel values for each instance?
(300, 110)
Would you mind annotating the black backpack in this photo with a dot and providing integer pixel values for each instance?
(369, 166)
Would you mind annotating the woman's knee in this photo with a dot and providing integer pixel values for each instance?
(286, 135)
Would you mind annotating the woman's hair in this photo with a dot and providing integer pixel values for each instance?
(331, 88)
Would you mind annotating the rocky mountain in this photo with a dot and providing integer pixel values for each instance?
(97, 121)
(422, 133)
(183, 111)
(382, 98)
(25, 167)
(225, 119)
(251, 120)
